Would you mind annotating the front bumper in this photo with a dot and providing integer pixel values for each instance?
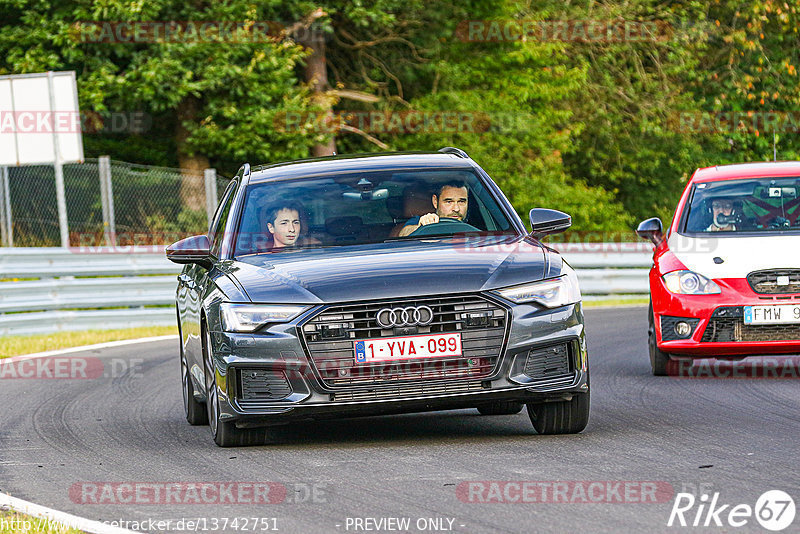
(279, 355)
(717, 325)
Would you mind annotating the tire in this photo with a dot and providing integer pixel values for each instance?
(501, 408)
(658, 358)
(225, 433)
(194, 410)
(562, 417)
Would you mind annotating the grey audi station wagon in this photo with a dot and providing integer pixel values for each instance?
(376, 284)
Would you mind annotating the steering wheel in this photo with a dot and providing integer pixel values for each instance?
(446, 225)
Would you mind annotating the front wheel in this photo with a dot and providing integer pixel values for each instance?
(225, 433)
(658, 358)
(562, 417)
(194, 410)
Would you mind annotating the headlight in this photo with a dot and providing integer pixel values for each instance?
(550, 293)
(690, 283)
(248, 317)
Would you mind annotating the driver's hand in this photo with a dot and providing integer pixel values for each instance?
(428, 218)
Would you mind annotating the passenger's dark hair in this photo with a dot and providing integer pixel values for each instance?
(271, 211)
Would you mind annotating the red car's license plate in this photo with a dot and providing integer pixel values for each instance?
(779, 314)
(408, 347)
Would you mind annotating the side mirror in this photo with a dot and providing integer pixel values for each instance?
(195, 249)
(651, 229)
(545, 222)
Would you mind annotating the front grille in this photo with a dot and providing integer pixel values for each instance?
(261, 385)
(409, 390)
(330, 336)
(549, 363)
(766, 282)
(727, 324)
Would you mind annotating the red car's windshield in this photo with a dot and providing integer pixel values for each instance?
(744, 206)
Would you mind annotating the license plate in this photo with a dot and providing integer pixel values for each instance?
(781, 314)
(407, 348)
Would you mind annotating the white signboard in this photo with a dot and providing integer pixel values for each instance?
(39, 119)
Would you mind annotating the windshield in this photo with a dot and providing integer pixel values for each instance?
(744, 206)
(366, 207)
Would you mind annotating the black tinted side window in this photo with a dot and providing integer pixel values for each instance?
(218, 229)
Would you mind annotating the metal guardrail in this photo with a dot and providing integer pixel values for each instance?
(52, 289)
(45, 290)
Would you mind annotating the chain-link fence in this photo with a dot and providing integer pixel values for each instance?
(108, 203)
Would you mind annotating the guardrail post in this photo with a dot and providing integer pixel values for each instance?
(211, 193)
(6, 228)
(107, 200)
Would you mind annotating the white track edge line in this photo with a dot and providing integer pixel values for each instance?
(63, 518)
(83, 348)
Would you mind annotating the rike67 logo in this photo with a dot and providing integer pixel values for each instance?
(774, 510)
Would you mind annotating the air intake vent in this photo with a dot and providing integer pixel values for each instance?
(549, 362)
(726, 325)
(263, 385)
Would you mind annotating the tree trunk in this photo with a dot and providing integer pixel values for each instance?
(317, 75)
(193, 194)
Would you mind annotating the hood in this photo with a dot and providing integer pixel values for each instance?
(740, 255)
(398, 269)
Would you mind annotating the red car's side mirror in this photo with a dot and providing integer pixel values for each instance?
(651, 229)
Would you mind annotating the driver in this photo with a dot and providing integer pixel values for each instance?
(721, 211)
(450, 202)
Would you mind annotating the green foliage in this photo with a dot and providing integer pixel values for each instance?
(592, 128)
(188, 222)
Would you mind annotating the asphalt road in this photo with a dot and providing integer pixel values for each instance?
(738, 437)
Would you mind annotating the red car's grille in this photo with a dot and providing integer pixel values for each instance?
(330, 336)
(767, 282)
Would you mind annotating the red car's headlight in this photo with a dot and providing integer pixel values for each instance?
(690, 283)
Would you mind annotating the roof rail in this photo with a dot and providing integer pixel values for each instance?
(245, 170)
(455, 151)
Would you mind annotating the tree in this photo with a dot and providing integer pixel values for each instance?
(221, 93)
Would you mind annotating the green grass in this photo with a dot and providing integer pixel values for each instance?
(611, 301)
(16, 345)
(14, 523)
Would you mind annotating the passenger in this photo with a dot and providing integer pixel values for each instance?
(284, 223)
(450, 202)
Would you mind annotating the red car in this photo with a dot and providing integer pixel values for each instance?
(725, 281)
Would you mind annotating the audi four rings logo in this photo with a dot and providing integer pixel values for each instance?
(411, 316)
